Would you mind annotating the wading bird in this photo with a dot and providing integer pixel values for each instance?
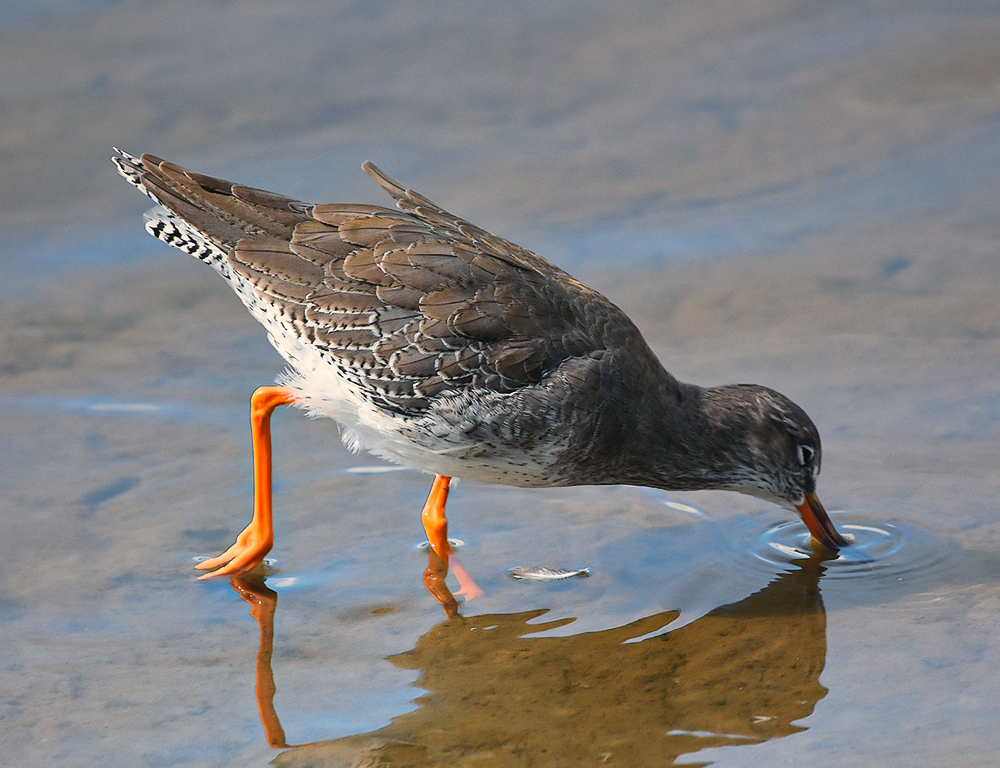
(440, 346)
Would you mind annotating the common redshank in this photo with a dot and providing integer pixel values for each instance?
(440, 346)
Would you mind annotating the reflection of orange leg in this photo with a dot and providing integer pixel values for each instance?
(257, 538)
(436, 525)
(262, 602)
(435, 584)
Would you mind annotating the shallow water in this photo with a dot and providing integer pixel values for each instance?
(799, 197)
(127, 460)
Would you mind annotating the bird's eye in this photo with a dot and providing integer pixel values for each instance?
(806, 455)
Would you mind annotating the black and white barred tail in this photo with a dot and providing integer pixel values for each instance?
(164, 225)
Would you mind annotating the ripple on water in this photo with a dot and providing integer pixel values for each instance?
(878, 549)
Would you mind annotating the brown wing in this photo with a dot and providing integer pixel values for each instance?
(412, 304)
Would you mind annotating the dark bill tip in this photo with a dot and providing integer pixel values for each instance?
(819, 523)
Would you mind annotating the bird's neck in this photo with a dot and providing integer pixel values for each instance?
(681, 441)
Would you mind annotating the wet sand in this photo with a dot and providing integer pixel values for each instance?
(799, 197)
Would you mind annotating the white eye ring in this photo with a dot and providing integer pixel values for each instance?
(806, 454)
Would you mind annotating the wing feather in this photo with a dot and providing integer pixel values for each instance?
(412, 304)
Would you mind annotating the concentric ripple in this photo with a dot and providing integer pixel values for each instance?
(880, 550)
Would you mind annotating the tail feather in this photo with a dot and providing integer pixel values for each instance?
(130, 168)
(163, 225)
(203, 215)
(201, 208)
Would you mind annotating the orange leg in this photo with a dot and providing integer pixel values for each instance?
(436, 525)
(257, 538)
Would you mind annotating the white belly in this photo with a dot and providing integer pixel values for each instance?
(435, 442)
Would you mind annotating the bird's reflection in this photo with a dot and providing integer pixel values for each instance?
(742, 674)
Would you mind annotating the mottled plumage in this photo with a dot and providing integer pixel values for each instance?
(447, 348)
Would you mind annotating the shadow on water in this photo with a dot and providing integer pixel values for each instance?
(632, 695)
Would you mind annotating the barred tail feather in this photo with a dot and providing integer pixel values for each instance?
(130, 168)
(163, 225)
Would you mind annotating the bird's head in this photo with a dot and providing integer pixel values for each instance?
(774, 452)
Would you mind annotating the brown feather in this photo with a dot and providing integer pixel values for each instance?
(422, 301)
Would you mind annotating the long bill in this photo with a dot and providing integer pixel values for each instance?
(819, 523)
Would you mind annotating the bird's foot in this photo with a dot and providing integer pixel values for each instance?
(246, 554)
